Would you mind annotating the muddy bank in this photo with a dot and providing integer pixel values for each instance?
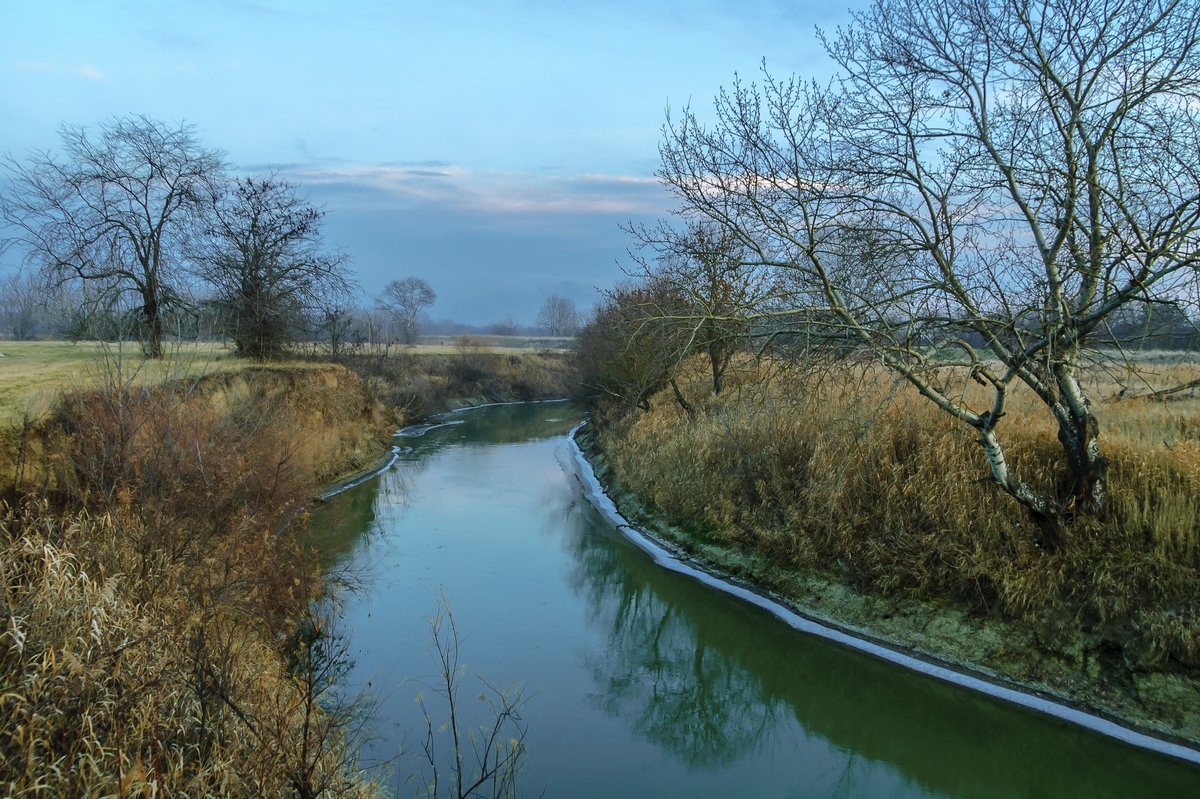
(1009, 656)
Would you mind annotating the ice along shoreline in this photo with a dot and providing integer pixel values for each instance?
(665, 555)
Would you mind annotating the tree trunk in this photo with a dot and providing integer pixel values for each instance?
(152, 328)
(1088, 468)
(1078, 433)
(718, 369)
(683, 403)
(1044, 511)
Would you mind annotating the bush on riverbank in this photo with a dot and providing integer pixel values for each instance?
(156, 637)
(860, 479)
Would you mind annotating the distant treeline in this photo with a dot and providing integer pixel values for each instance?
(30, 312)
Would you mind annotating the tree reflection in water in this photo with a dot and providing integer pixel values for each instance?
(717, 683)
(663, 670)
(649, 682)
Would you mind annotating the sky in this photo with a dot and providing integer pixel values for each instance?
(492, 148)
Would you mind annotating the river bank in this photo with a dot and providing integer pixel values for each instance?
(1003, 658)
(159, 637)
(694, 691)
(160, 519)
(417, 388)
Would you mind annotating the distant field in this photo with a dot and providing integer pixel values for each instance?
(503, 344)
(33, 374)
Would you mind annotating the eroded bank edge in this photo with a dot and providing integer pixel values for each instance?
(665, 556)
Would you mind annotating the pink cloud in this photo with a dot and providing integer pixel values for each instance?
(499, 192)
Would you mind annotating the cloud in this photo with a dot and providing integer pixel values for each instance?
(436, 184)
(490, 242)
(85, 71)
(423, 164)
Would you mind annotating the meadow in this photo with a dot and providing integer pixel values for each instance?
(35, 374)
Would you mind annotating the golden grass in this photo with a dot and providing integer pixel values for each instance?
(861, 477)
(117, 685)
(35, 374)
(151, 615)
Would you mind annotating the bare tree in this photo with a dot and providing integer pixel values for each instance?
(632, 346)
(22, 297)
(334, 327)
(716, 294)
(505, 327)
(372, 322)
(991, 178)
(558, 316)
(268, 266)
(480, 760)
(404, 299)
(118, 209)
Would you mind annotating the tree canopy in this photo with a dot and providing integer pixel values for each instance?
(118, 208)
(987, 183)
(403, 300)
(267, 264)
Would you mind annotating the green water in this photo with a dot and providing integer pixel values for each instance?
(643, 682)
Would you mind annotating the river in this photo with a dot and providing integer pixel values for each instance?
(639, 681)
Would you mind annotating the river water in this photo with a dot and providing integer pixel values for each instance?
(639, 681)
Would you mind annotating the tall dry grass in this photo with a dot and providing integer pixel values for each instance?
(855, 475)
(157, 632)
(116, 685)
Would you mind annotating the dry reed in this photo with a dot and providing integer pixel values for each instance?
(152, 611)
(856, 476)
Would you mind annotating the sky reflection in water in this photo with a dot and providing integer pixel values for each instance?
(643, 682)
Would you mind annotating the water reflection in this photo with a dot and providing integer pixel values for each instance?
(497, 424)
(713, 682)
(647, 682)
(669, 678)
(336, 528)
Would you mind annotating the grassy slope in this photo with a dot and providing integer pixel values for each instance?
(153, 606)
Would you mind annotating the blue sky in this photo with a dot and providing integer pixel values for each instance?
(492, 148)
